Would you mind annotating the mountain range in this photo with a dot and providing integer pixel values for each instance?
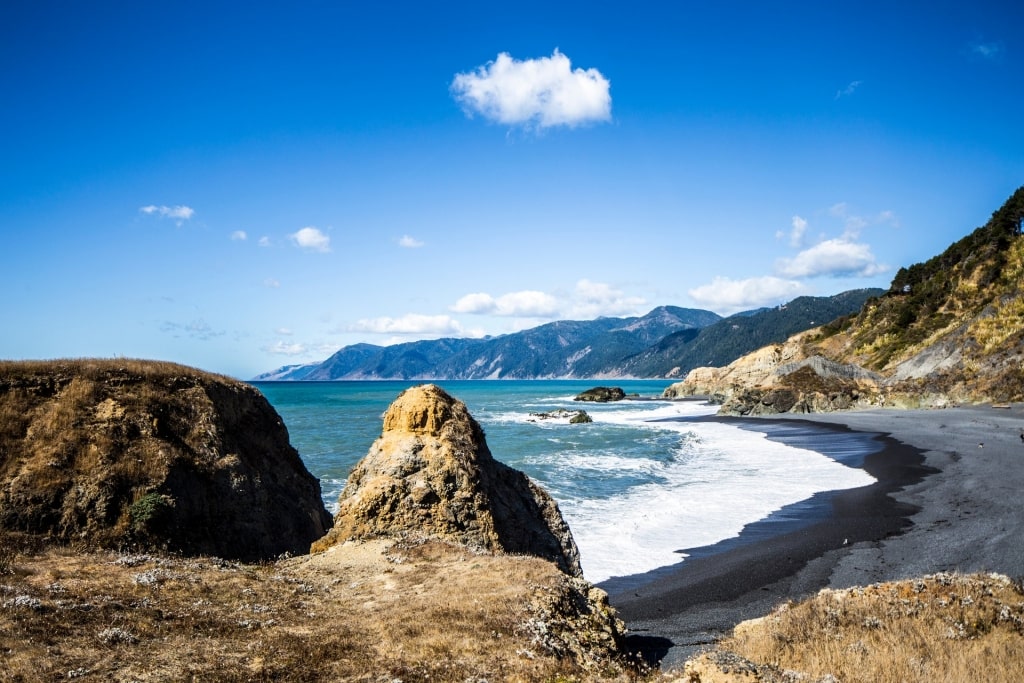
(666, 342)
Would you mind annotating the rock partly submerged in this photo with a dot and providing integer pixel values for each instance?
(431, 473)
(601, 395)
(150, 455)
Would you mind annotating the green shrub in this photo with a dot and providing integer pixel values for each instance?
(150, 514)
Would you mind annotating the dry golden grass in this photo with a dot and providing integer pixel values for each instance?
(943, 627)
(97, 367)
(377, 611)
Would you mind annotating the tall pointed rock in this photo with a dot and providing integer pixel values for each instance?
(431, 473)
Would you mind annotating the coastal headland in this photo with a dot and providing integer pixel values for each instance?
(947, 500)
(444, 564)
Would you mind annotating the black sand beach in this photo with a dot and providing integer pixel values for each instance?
(949, 497)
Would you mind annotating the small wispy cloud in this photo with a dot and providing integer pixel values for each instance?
(539, 93)
(196, 329)
(311, 239)
(283, 331)
(988, 51)
(264, 241)
(273, 283)
(239, 236)
(409, 242)
(850, 88)
(179, 213)
(796, 232)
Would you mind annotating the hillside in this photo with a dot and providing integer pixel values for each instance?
(948, 330)
(726, 340)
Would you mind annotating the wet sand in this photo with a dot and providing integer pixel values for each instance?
(949, 497)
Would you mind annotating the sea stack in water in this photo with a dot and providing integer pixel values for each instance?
(430, 473)
(601, 395)
(150, 455)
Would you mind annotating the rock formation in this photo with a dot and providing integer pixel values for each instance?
(430, 473)
(601, 395)
(122, 454)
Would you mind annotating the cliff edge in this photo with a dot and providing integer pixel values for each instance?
(150, 455)
(431, 473)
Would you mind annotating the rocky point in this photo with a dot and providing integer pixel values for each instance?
(431, 473)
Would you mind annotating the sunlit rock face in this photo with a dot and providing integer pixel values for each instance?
(431, 473)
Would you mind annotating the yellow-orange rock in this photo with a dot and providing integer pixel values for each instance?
(431, 473)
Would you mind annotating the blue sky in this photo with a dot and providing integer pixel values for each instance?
(246, 185)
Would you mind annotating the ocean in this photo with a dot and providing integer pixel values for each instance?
(647, 480)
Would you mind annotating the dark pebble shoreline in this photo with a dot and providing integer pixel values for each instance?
(838, 538)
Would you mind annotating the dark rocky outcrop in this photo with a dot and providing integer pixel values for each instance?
(141, 454)
(601, 395)
(430, 473)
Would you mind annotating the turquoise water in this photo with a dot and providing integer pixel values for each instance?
(333, 424)
(642, 481)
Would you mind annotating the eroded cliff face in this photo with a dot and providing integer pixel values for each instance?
(431, 473)
(123, 454)
(783, 378)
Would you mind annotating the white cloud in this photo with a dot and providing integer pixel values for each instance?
(179, 213)
(834, 258)
(409, 242)
(264, 241)
(850, 88)
(796, 232)
(311, 238)
(588, 300)
(527, 304)
(283, 331)
(272, 283)
(412, 323)
(239, 235)
(726, 295)
(286, 349)
(593, 299)
(478, 303)
(540, 92)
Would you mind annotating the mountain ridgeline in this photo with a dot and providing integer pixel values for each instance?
(667, 342)
(726, 340)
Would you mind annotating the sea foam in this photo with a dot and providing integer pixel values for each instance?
(719, 479)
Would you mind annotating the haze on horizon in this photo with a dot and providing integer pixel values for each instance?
(238, 189)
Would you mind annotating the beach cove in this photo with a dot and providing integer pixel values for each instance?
(947, 499)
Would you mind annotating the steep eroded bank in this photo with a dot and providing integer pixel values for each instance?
(150, 455)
